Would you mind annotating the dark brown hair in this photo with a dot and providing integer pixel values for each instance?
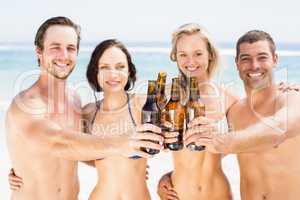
(255, 36)
(60, 20)
(92, 68)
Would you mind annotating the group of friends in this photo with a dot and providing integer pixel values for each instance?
(49, 131)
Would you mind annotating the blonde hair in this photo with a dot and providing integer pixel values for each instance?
(190, 29)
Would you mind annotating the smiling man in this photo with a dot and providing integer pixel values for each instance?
(43, 127)
(266, 136)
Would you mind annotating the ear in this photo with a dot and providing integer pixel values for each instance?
(38, 51)
(275, 59)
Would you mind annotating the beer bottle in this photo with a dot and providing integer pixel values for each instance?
(194, 108)
(161, 96)
(150, 111)
(175, 114)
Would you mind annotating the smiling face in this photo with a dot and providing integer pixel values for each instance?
(58, 57)
(192, 55)
(255, 64)
(113, 70)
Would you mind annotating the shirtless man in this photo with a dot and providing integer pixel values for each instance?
(43, 123)
(267, 137)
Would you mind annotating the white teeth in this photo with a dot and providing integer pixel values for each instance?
(113, 82)
(61, 64)
(255, 74)
(191, 68)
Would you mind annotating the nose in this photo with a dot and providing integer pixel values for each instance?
(63, 53)
(255, 65)
(190, 61)
(113, 73)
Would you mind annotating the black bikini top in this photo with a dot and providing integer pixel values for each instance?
(129, 110)
(130, 113)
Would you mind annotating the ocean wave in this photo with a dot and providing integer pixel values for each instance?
(141, 49)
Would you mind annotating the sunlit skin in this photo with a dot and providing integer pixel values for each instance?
(263, 166)
(267, 136)
(192, 56)
(119, 178)
(255, 64)
(57, 59)
(199, 175)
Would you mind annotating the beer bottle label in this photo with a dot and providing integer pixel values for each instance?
(176, 118)
(151, 117)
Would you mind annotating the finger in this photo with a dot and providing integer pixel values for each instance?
(167, 124)
(148, 127)
(171, 134)
(16, 185)
(195, 138)
(149, 136)
(147, 144)
(197, 130)
(15, 178)
(203, 142)
(200, 120)
(142, 154)
(14, 188)
(15, 182)
(172, 197)
(171, 140)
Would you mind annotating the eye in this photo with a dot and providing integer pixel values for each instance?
(182, 55)
(54, 48)
(103, 67)
(73, 49)
(198, 54)
(262, 58)
(245, 59)
(120, 67)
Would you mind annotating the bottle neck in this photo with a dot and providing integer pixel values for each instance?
(194, 94)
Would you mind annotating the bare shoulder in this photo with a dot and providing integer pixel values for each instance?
(236, 109)
(289, 98)
(230, 97)
(88, 110)
(75, 99)
(138, 100)
(26, 110)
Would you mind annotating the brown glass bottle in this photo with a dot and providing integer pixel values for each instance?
(161, 97)
(194, 108)
(150, 111)
(175, 114)
(161, 85)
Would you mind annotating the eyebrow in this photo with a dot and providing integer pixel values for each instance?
(195, 50)
(119, 63)
(247, 55)
(58, 44)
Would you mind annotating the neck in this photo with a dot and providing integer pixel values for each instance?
(53, 90)
(114, 100)
(204, 85)
(257, 96)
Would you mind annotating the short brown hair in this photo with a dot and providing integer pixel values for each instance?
(255, 36)
(60, 20)
(92, 68)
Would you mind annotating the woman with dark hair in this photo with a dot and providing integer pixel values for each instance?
(112, 72)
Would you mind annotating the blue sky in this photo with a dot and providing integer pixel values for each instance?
(153, 20)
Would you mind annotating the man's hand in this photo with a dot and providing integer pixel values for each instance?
(287, 86)
(146, 136)
(15, 182)
(165, 189)
(205, 132)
